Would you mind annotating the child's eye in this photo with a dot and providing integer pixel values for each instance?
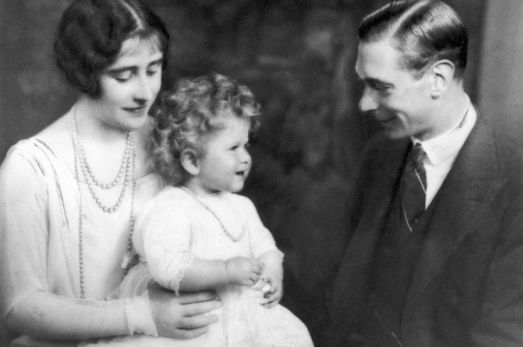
(152, 72)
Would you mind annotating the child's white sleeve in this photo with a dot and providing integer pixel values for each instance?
(162, 239)
(261, 239)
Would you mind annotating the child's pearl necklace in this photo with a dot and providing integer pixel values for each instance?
(222, 226)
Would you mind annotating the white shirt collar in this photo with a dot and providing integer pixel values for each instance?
(446, 146)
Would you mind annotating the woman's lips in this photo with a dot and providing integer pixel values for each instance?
(134, 109)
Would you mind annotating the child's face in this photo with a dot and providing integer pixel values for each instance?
(226, 163)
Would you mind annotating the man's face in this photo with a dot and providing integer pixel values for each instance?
(400, 102)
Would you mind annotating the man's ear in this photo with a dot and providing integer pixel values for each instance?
(190, 162)
(442, 75)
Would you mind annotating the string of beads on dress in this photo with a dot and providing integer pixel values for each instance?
(92, 182)
(222, 226)
(81, 167)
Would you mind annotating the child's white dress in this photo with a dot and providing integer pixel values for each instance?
(176, 227)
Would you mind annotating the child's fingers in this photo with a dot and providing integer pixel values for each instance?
(274, 288)
(271, 297)
(270, 301)
(254, 278)
(258, 267)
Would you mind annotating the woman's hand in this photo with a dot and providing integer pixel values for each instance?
(182, 317)
(243, 271)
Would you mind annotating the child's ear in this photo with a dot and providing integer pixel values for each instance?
(189, 161)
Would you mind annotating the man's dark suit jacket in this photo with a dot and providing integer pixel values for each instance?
(467, 284)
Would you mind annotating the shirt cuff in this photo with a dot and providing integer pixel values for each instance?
(139, 316)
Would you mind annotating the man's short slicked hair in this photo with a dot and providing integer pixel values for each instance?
(423, 31)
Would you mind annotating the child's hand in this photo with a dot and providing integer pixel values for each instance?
(273, 276)
(273, 295)
(243, 271)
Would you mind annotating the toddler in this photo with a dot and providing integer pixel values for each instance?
(198, 234)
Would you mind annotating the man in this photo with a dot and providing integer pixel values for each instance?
(435, 249)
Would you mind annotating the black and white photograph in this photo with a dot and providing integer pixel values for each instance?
(261, 173)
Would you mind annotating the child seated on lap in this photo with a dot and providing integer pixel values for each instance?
(198, 234)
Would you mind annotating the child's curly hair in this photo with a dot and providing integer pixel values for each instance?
(195, 108)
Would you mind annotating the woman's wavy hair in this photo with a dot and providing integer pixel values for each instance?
(195, 108)
(90, 35)
(423, 31)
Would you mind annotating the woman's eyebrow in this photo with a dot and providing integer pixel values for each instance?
(121, 69)
(116, 70)
(157, 61)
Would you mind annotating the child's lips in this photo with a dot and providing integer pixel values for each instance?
(242, 173)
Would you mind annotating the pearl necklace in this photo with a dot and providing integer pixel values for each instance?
(129, 177)
(92, 182)
(123, 166)
(222, 226)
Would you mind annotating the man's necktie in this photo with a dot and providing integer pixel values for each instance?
(413, 186)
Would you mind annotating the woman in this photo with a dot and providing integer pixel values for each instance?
(69, 194)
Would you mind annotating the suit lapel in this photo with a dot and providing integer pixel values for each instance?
(356, 267)
(379, 198)
(382, 191)
(468, 190)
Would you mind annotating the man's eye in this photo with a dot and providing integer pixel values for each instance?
(380, 87)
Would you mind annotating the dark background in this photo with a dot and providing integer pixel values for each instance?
(297, 56)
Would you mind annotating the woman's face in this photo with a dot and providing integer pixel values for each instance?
(129, 86)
